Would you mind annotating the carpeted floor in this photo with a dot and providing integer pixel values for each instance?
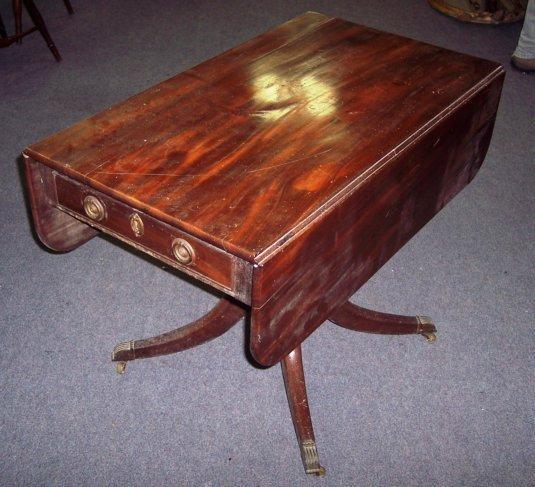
(388, 411)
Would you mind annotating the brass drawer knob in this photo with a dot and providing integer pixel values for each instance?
(183, 251)
(136, 223)
(94, 208)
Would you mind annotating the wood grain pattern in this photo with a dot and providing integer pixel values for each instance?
(57, 230)
(360, 319)
(245, 149)
(213, 324)
(336, 255)
(211, 265)
(296, 392)
(312, 152)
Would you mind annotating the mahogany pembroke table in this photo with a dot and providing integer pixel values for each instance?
(284, 173)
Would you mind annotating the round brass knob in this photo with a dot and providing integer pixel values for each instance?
(183, 251)
(136, 223)
(94, 208)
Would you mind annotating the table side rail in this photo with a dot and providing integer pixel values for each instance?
(208, 264)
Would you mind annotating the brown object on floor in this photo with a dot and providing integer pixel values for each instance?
(482, 11)
(39, 25)
(284, 173)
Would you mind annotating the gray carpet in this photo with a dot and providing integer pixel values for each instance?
(388, 411)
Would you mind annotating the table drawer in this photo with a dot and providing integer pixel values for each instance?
(168, 244)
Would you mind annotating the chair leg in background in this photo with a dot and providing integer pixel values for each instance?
(37, 19)
(3, 32)
(17, 15)
(69, 6)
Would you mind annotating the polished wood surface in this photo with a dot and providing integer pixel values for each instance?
(310, 154)
(356, 318)
(213, 324)
(55, 229)
(284, 172)
(248, 148)
(296, 392)
(299, 287)
(209, 264)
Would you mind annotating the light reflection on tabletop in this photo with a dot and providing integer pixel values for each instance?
(278, 93)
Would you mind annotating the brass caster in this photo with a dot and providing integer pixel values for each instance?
(319, 472)
(430, 337)
(120, 367)
(309, 453)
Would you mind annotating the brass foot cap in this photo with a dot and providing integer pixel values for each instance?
(310, 457)
(426, 328)
(318, 472)
(430, 337)
(120, 367)
(123, 351)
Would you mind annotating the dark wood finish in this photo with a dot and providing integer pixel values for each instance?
(295, 165)
(456, 139)
(5, 39)
(3, 32)
(296, 117)
(17, 15)
(38, 21)
(39, 25)
(213, 324)
(57, 230)
(355, 318)
(324, 148)
(294, 381)
(331, 259)
(68, 6)
(210, 265)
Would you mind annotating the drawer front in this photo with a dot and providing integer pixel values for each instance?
(168, 244)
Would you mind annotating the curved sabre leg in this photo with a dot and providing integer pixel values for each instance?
(213, 324)
(294, 380)
(355, 318)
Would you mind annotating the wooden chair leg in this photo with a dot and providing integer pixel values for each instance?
(68, 6)
(355, 318)
(294, 380)
(3, 32)
(17, 15)
(213, 324)
(37, 19)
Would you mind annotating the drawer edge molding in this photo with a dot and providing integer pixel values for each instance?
(212, 266)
